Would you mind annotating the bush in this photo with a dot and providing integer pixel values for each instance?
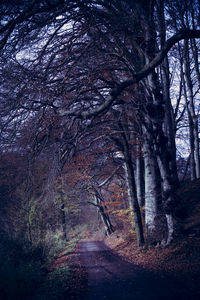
(21, 271)
(23, 268)
(53, 243)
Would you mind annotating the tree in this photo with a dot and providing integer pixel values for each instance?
(83, 67)
(187, 55)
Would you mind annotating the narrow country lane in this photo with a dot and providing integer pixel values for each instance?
(109, 277)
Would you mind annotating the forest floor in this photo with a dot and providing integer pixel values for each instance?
(182, 258)
(98, 272)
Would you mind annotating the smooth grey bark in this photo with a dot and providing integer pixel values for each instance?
(168, 185)
(158, 204)
(139, 176)
(154, 126)
(168, 198)
(151, 194)
(132, 199)
(131, 186)
(168, 173)
(122, 142)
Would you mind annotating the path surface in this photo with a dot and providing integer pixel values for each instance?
(111, 278)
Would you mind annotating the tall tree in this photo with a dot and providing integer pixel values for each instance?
(81, 66)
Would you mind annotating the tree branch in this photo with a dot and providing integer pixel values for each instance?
(110, 177)
(146, 70)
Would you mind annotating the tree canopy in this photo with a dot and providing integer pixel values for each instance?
(113, 81)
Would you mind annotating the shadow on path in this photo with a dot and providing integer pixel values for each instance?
(110, 277)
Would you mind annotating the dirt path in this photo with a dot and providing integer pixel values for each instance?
(111, 278)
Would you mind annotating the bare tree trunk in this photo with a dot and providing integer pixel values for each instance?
(104, 217)
(131, 187)
(157, 145)
(193, 120)
(195, 50)
(140, 176)
(155, 135)
(154, 119)
(168, 198)
(63, 217)
(196, 59)
(196, 146)
(151, 194)
(123, 145)
(169, 116)
(192, 145)
(62, 208)
(132, 199)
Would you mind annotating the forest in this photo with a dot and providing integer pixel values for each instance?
(99, 131)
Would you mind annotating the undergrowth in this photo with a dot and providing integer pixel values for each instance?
(24, 270)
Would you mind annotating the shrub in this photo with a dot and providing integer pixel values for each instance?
(53, 243)
(23, 268)
(21, 271)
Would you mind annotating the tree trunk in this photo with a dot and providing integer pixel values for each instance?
(132, 199)
(196, 59)
(63, 217)
(154, 216)
(140, 176)
(123, 144)
(169, 116)
(168, 197)
(193, 120)
(157, 145)
(104, 217)
(154, 119)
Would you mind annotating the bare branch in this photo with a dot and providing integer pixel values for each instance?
(146, 70)
(110, 177)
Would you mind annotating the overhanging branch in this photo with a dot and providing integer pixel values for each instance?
(110, 177)
(146, 70)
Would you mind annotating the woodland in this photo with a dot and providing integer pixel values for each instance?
(99, 126)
